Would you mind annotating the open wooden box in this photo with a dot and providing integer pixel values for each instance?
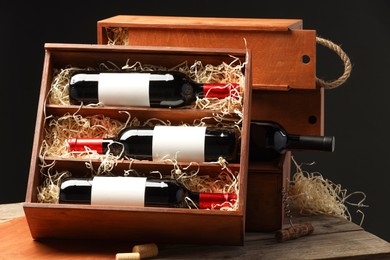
(137, 224)
(283, 84)
(283, 58)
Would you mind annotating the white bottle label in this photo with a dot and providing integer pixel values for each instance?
(124, 89)
(182, 143)
(122, 191)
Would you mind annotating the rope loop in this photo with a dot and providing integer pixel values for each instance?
(347, 65)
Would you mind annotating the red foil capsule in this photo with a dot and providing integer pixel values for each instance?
(221, 91)
(78, 145)
(216, 200)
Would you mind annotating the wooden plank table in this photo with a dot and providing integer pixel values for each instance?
(333, 238)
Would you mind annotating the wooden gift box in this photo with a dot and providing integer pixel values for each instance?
(283, 84)
(138, 224)
(283, 58)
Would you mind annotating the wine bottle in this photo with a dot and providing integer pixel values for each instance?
(143, 89)
(268, 140)
(139, 191)
(183, 143)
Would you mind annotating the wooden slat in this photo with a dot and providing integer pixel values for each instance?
(213, 23)
(316, 246)
(333, 238)
(10, 211)
(16, 243)
(298, 111)
(135, 224)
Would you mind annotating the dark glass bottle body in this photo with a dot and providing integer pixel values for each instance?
(268, 140)
(157, 193)
(209, 143)
(146, 89)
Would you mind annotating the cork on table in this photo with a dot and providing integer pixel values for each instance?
(332, 238)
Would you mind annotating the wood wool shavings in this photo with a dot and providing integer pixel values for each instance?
(117, 35)
(59, 129)
(226, 181)
(311, 194)
(48, 191)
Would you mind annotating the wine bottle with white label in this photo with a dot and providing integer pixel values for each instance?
(183, 143)
(139, 191)
(166, 89)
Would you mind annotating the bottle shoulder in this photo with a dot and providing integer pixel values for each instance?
(129, 132)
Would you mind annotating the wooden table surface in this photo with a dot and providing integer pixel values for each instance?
(333, 238)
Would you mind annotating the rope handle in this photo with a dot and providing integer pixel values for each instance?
(343, 56)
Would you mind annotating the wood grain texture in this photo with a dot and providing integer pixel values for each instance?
(213, 23)
(278, 45)
(333, 238)
(284, 86)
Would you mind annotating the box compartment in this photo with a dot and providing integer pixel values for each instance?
(137, 224)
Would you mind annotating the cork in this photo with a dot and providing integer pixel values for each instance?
(146, 250)
(293, 232)
(127, 256)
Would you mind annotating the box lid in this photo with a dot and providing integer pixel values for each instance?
(283, 53)
(212, 23)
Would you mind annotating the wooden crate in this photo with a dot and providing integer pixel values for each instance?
(283, 64)
(133, 224)
(283, 84)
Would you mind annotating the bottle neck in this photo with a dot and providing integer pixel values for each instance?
(115, 147)
(99, 145)
(314, 143)
(171, 193)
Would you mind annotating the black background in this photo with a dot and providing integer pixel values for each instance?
(356, 113)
